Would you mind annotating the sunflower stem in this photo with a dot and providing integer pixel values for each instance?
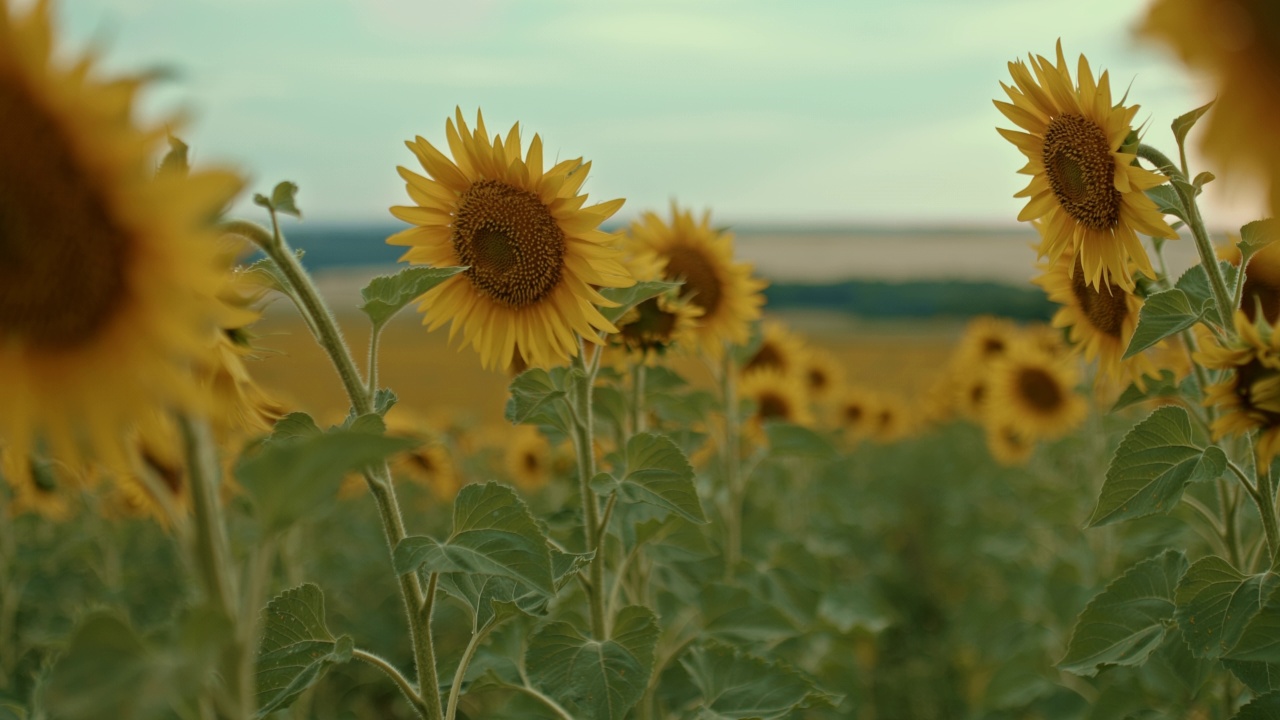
(1204, 246)
(391, 672)
(455, 692)
(583, 445)
(637, 398)
(732, 465)
(1266, 500)
(374, 335)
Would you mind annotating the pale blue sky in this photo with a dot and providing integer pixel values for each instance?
(804, 112)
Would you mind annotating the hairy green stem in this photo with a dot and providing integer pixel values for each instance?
(391, 672)
(455, 692)
(1266, 500)
(637, 398)
(583, 445)
(374, 335)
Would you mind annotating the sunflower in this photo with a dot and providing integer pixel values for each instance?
(823, 374)
(1084, 187)
(702, 258)
(1262, 285)
(431, 463)
(534, 254)
(1008, 445)
(1035, 393)
(889, 422)
(856, 411)
(777, 398)
(1099, 321)
(985, 339)
(779, 350)
(1237, 42)
(1248, 398)
(528, 459)
(653, 326)
(108, 287)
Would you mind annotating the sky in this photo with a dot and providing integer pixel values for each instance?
(809, 112)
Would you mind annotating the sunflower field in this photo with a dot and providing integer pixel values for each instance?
(689, 509)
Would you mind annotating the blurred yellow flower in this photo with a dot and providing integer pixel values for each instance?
(1034, 393)
(1248, 397)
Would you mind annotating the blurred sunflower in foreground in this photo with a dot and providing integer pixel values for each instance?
(1084, 184)
(701, 257)
(109, 280)
(535, 254)
(1248, 398)
(1237, 42)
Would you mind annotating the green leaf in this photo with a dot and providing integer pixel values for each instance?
(1167, 201)
(1126, 622)
(387, 295)
(736, 686)
(493, 534)
(1183, 123)
(657, 473)
(1164, 386)
(1257, 235)
(296, 647)
(1202, 179)
(175, 161)
(1165, 313)
(734, 614)
(630, 297)
(1195, 283)
(788, 439)
(291, 476)
(595, 680)
(536, 399)
(268, 273)
(282, 199)
(383, 400)
(1216, 603)
(1263, 707)
(102, 674)
(1153, 465)
(9, 711)
(1260, 677)
(295, 425)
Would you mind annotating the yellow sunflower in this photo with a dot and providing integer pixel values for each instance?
(1237, 42)
(535, 254)
(652, 327)
(1035, 393)
(702, 257)
(431, 463)
(777, 398)
(1099, 321)
(528, 459)
(1008, 445)
(890, 421)
(985, 339)
(1249, 396)
(108, 287)
(780, 350)
(1085, 188)
(856, 411)
(823, 375)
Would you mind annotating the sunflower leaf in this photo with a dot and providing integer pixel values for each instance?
(630, 297)
(101, 671)
(537, 399)
(656, 473)
(793, 440)
(493, 534)
(1255, 236)
(1165, 313)
(282, 199)
(1226, 614)
(1167, 201)
(594, 679)
(1164, 386)
(1153, 465)
(296, 647)
(1126, 622)
(1262, 707)
(1183, 123)
(387, 295)
(1195, 283)
(736, 685)
(268, 273)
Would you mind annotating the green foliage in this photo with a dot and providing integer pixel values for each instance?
(736, 685)
(102, 674)
(1226, 614)
(1195, 283)
(1255, 236)
(654, 471)
(387, 295)
(1165, 313)
(1183, 123)
(281, 200)
(1126, 622)
(1152, 467)
(536, 396)
(596, 680)
(632, 296)
(296, 647)
(1165, 386)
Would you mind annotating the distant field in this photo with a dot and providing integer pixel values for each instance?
(429, 375)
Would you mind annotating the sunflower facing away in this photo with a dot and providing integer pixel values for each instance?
(1249, 396)
(1035, 393)
(1237, 42)
(108, 281)
(535, 255)
(1086, 190)
(702, 257)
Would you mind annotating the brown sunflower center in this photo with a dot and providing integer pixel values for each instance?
(531, 463)
(1262, 285)
(977, 393)
(651, 327)
(1258, 388)
(992, 347)
(62, 256)
(1081, 171)
(511, 242)
(701, 283)
(853, 414)
(1106, 311)
(818, 379)
(774, 407)
(768, 356)
(423, 462)
(1039, 389)
(168, 473)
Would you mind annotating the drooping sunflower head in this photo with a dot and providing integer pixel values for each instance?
(702, 258)
(1237, 43)
(1100, 321)
(776, 398)
(535, 255)
(1248, 397)
(1035, 393)
(1086, 190)
(108, 273)
(528, 459)
(780, 350)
